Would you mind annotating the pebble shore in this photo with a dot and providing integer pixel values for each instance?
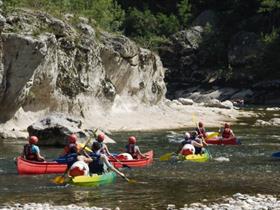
(237, 202)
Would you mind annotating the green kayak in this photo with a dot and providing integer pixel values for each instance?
(94, 180)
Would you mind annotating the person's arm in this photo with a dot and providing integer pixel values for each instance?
(197, 144)
(138, 152)
(107, 151)
(109, 165)
(37, 152)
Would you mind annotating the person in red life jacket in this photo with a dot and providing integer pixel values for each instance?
(132, 149)
(98, 163)
(72, 146)
(226, 132)
(31, 151)
(201, 130)
(104, 149)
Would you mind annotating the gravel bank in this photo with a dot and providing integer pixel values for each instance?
(236, 202)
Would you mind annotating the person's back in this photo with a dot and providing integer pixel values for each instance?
(227, 133)
(32, 151)
(132, 149)
(72, 146)
(97, 165)
(104, 149)
(201, 130)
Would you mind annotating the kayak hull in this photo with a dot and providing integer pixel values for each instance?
(33, 167)
(218, 141)
(94, 180)
(196, 157)
(134, 163)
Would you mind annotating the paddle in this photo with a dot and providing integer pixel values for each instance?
(61, 179)
(166, 156)
(124, 165)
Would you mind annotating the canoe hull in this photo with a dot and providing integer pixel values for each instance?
(33, 167)
(218, 141)
(134, 163)
(93, 181)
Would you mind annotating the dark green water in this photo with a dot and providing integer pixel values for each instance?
(246, 169)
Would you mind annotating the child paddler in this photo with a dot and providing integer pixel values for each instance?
(201, 130)
(132, 149)
(104, 148)
(98, 163)
(31, 151)
(71, 150)
(226, 132)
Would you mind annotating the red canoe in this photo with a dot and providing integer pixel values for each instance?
(33, 167)
(217, 140)
(136, 162)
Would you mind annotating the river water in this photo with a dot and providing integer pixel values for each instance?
(247, 168)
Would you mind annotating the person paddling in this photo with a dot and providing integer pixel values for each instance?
(98, 163)
(226, 132)
(104, 149)
(197, 142)
(31, 151)
(72, 146)
(201, 130)
(132, 149)
(186, 147)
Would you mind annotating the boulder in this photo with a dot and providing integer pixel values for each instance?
(54, 130)
(186, 101)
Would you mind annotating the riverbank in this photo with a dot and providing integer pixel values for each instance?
(237, 201)
(134, 118)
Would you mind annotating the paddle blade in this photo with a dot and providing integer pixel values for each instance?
(59, 180)
(211, 135)
(166, 156)
(130, 181)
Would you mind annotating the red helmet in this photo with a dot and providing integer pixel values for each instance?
(200, 124)
(132, 140)
(100, 137)
(33, 140)
(72, 139)
(227, 125)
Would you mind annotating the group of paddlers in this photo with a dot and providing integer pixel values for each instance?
(194, 141)
(82, 162)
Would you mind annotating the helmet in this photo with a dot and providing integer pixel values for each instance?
(96, 146)
(100, 137)
(200, 124)
(194, 133)
(187, 135)
(132, 140)
(33, 140)
(227, 125)
(72, 139)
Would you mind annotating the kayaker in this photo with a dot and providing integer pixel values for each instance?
(226, 132)
(186, 147)
(72, 146)
(31, 151)
(104, 149)
(98, 163)
(132, 149)
(201, 130)
(197, 142)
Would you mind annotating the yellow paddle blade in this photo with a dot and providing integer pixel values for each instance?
(211, 135)
(131, 181)
(166, 156)
(59, 180)
(86, 148)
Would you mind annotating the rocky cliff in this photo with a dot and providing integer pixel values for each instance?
(65, 65)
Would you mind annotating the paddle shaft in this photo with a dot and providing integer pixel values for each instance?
(124, 165)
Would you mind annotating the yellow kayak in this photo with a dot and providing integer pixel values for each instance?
(94, 180)
(196, 158)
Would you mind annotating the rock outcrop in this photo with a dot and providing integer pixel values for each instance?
(49, 65)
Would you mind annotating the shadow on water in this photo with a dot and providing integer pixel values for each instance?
(246, 169)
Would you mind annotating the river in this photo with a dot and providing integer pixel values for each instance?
(247, 168)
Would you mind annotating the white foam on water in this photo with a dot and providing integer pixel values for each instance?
(222, 159)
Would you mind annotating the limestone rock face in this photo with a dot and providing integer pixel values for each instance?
(49, 65)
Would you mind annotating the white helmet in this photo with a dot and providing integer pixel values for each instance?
(187, 135)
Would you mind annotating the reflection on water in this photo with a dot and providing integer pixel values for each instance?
(246, 169)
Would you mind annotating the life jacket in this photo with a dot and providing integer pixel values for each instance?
(96, 166)
(198, 150)
(226, 133)
(201, 131)
(71, 148)
(130, 148)
(28, 154)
